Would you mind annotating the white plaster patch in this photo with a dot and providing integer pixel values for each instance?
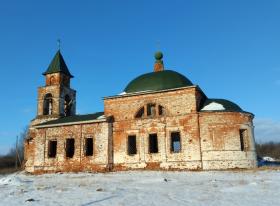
(213, 106)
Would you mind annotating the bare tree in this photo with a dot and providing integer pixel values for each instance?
(270, 149)
(18, 150)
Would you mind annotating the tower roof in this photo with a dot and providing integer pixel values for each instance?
(58, 65)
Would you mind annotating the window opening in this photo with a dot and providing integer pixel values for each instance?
(52, 147)
(175, 142)
(70, 147)
(131, 145)
(153, 143)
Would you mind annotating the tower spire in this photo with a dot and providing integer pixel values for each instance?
(59, 44)
(58, 65)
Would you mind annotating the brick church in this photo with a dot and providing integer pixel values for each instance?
(161, 120)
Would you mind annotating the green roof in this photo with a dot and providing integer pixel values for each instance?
(74, 118)
(58, 65)
(156, 81)
(227, 105)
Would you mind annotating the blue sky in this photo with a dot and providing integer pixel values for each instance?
(231, 49)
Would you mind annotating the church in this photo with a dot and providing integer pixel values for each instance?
(161, 121)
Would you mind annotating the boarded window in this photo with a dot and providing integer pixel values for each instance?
(153, 143)
(151, 109)
(140, 113)
(242, 133)
(70, 147)
(89, 146)
(175, 142)
(131, 145)
(52, 147)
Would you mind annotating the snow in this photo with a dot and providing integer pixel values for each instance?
(231, 188)
(269, 159)
(213, 106)
(101, 117)
(123, 93)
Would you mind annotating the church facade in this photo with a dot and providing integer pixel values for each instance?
(160, 121)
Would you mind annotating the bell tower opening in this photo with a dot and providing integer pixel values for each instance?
(48, 104)
(67, 105)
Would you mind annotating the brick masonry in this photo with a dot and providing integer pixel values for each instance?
(209, 140)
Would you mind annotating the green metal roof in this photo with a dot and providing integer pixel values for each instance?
(228, 105)
(74, 118)
(156, 81)
(58, 65)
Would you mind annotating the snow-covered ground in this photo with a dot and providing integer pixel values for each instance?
(143, 188)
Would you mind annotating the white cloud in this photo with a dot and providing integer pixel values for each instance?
(267, 130)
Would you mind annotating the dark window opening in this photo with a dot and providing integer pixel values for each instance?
(242, 134)
(175, 142)
(89, 146)
(153, 143)
(161, 110)
(140, 113)
(67, 105)
(52, 147)
(70, 147)
(131, 145)
(47, 105)
(151, 109)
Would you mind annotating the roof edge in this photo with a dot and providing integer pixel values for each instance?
(221, 111)
(152, 92)
(69, 123)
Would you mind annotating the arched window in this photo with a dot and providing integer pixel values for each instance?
(48, 104)
(161, 110)
(52, 80)
(67, 105)
(152, 110)
(140, 113)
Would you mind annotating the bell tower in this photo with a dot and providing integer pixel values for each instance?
(56, 99)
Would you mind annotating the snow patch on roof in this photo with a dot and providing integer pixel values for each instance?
(213, 106)
(101, 117)
(123, 93)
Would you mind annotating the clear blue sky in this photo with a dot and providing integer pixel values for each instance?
(231, 49)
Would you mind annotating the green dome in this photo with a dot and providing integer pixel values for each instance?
(156, 81)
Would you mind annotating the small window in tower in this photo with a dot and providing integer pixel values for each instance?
(67, 105)
(153, 143)
(52, 147)
(52, 80)
(48, 104)
(131, 145)
(89, 146)
(140, 113)
(161, 110)
(151, 109)
(175, 142)
(70, 147)
(243, 134)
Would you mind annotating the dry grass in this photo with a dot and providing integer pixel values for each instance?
(4, 171)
